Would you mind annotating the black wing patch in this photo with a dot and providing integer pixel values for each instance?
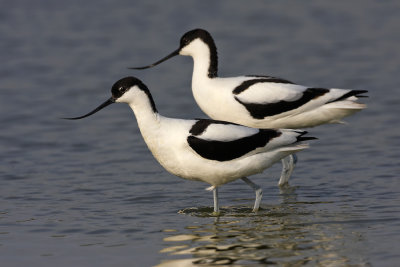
(263, 79)
(229, 150)
(260, 111)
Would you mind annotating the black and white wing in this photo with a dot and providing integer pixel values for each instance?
(223, 141)
(267, 96)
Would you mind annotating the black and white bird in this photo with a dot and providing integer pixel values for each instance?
(259, 101)
(214, 152)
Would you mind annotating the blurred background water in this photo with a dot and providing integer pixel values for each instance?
(89, 193)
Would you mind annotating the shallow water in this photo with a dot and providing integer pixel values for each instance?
(88, 193)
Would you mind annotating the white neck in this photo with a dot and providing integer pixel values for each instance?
(147, 119)
(201, 63)
(201, 54)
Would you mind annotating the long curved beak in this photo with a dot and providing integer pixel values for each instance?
(105, 104)
(175, 53)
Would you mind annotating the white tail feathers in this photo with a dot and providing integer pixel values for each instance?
(297, 147)
(346, 104)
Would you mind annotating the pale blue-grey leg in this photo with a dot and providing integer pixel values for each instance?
(257, 189)
(216, 204)
(288, 165)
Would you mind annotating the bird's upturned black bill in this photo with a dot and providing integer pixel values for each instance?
(175, 53)
(105, 104)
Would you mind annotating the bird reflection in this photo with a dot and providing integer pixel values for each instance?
(288, 234)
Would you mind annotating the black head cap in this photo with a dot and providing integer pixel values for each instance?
(194, 34)
(205, 36)
(186, 39)
(118, 89)
(123, 85)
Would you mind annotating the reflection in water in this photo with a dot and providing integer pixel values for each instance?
(289, 234)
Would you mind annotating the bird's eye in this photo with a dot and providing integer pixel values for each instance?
(121, 89)
(184, 41)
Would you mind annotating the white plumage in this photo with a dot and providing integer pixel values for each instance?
(215, 152)
(259, 101)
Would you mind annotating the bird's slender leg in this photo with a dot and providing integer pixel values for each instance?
(215, 194)
(216, 204)
(257, 189)
(288, 165)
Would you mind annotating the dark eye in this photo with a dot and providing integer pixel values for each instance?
(121, 89)
(184, 41)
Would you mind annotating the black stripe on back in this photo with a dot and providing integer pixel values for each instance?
(270, 77)
(201, 125)
(229, 150)
(260, 111)
(247, 84)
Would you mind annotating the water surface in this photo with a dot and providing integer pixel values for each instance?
(89, 193)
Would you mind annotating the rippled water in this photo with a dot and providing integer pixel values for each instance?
(88, 193)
